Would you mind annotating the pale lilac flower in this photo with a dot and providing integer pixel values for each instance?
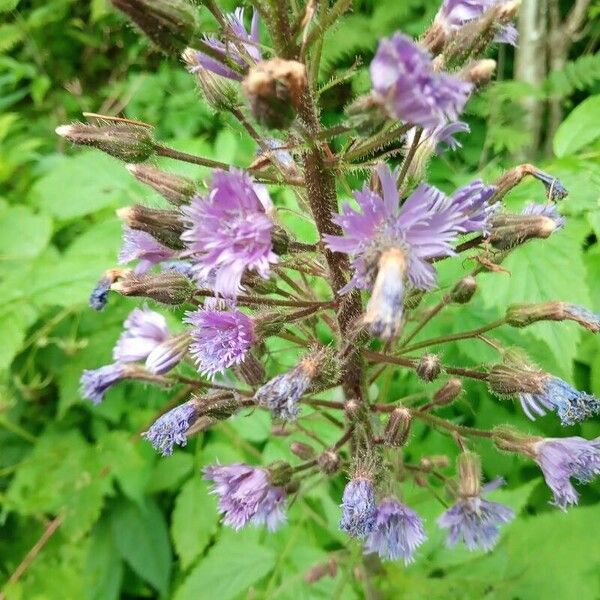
(167, 354)
(443, 137)
(358, 507)
(246, 495)
(235, 36)
(141, 246)
(564, 458)
(405, 82)
(472, 200)
(476, 521)
(170, 429)
(229, 231)
(397, 532)
(453, 14)
(183, 267)
(220, 339)
(96, 382)
(545, 210)
(144, 330)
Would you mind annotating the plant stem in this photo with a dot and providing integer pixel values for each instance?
(443, 423)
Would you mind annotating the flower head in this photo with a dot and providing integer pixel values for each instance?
(140, 245)
(475, 521)
(358, 507)
(144, 330)
(170, 429)
(96, 382)
(405, 82)
(220, 339)
(230, 231)
(246, 495)
(397, 532)
(472, 201)
(564, 458)
(545, 210)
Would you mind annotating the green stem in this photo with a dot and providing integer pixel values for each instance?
(444, 424)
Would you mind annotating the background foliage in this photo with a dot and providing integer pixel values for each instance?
(119, 522)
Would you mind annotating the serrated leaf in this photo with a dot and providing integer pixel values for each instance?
(24, 233)
(579, 129)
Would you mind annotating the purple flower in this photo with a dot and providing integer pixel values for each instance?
(230, 231)
(358, 508)
(96, 382)
(443, 137)
(139, 245)
(170, 429)
(545, 210)
(282, 393)
(397, 532)
(453, 14)
(236, 38)
(167, 354)
(247, 495)
(220, 339)
(183, 267)
(472, 200)
(571, 405)
(144, 330)
(582, 315)
(476, 521)
(405, 82)
(566, 458)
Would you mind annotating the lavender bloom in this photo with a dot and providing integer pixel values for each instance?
(144, 330)
(562, 459)
(167, 354)
(397, 532)
(282, 393)
(358, 508)
(453, 14)
(220, 339)
(170, 429)
(246, 495)
(571, 405)
(443, 137)
(472, 200)
(139, 245)
(182, 267)
(231, 49)
(230, 231)
(405, 82)
(582, 315)
(476, 521)
(545, 210)
(95, 382)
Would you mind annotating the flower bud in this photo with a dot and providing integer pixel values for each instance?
(397, 428)
(367, 115)
(355, 411)
(280, 240)
(302, 450)
(469, 475)
(464, 290)
(509, 440)
(125, 141)
(280, 473)
(167, 287)
(437, 461)
(169, 24)
(479, 72)
(203, 423)
(274, 89)
(429, 367)
(509, 231)
(165, 226)
(168, 354)
(175, 189)
(522, 315)
(218, 406)
(448, 393)
(514, 375)
(329, 462)
(321, 570)
(251, 370)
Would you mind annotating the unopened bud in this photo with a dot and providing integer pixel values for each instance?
(367, 115)
(274, 89)
(321, 570)
(280, 473)
(175, 189)
(169, 24)
(355, 411)
(429, 367)
(302, 450)
(437, 461)
(168, 354)
(448, 393)
(480, 72)
(515, 375)
(165, 226)
(329, 462)
(251, 370)
(469, 475)
(125, 141)
(464, 290)
(219, 406)
(203, 423)
(509, 440)
(509, 231)
(167, 287)
(397, 428)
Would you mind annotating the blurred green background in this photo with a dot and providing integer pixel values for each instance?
(101, 515)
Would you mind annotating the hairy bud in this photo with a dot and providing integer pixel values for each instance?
(326, 569)
(469, 474)
(429, 367)
(329, 462)
(448, 393)
(280, 473)
(219, 406)
(125, 141)
(515, 375)
(165, 226)
(167, 287)
(509, 440)
(464, 290)
(251, 370)
(175, 189)
(274, 89)
(397, 428)
(479, 72)
(302, 450)
(522, 315)
(509, 230)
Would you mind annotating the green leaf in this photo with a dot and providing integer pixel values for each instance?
(13, 333)
(8, 5)
(194, 520)
(24, 234)
(104, 568)
(142, 539)
(580, 128)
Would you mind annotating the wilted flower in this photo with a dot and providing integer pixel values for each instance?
(405, 82)
(230, 231)
(144, 330)
(582, 315)
(545, 210)
(220, 339)
(358, 507)
(476, 521)
(96, 382)
(139, 245)
(246, 495)
(397, 532)
(170, 429)
(564, 458)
